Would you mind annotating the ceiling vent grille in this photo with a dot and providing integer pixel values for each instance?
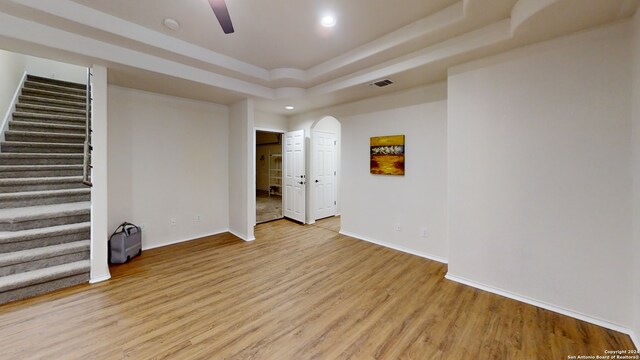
(381, 83)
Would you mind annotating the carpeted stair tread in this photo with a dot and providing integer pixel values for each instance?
(53, 87)
(44, 211)
(35, 136)
(53, 95)
(45, 193)
(40, 276)
(21, 114)
(40, 121)
(44, 206)
(40, 79)
(40, 180)
(14, 185)
(29, 234)
(43, 252)
(26, 156)
(45, 127)
(31, 238)
(30, 143)
(40, 147)
(29, 108)
(27, 99)
(38, 167)
(27, 198)
(47, 170)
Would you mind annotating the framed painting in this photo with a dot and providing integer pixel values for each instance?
(387, 155)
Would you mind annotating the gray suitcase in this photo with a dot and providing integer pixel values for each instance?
(125, 243)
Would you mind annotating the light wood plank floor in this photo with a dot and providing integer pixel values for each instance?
(332, 223)
(297, 292)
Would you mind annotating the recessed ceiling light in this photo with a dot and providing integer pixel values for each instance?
(170, 23)
(289, 107)
(328, 21)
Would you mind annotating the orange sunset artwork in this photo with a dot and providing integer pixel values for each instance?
(387, 155)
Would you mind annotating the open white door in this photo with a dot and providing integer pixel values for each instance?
(294, 177)
(324, 182)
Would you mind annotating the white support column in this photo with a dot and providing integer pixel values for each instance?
(99, 200)
(242, 194)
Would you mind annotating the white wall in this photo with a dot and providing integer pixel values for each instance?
(12, 67)
(268, 121)
(373, 204)
(400, 99)
(11, 71)
(55, 70)
(168, 159)
(539, 185)
(636, 173)
(242, 194)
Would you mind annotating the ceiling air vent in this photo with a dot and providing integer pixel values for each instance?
(381, 83)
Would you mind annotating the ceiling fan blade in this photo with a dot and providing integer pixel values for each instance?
(222, 13)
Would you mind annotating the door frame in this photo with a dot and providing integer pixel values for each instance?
(313, 175)
(255, 164)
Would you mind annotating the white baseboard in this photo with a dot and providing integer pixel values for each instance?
(543, 305)
(243, 237)
(173, 242)
(100, 279)
(394, 247)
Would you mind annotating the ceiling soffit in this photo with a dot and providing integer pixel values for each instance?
(465, 27)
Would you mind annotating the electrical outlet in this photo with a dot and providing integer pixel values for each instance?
(424, 233)
(173, 221)
(198, 218)
(397, 227)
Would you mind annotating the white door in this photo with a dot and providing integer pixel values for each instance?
(294, 177)
(324, 182)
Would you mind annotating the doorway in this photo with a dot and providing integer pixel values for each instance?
(325, 171)
(325, 174)
(268, 176)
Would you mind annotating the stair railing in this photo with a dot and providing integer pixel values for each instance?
(86, 162)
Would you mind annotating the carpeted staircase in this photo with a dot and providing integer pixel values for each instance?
(44, 206)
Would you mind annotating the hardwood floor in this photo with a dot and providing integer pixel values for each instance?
(297, 292)
(330, 223)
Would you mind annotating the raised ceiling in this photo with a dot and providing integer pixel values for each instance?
(275, 33)
(279, 54)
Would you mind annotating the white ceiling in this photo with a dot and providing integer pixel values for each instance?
(275, 33)
(279, 54)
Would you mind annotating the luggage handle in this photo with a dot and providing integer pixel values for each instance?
(124, 228)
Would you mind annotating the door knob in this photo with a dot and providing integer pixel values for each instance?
(317, 181)
(301, 182)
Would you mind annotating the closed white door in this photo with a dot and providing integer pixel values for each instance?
(294, 177)
(324, 182)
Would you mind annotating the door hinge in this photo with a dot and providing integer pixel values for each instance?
(334, 173)
(334, 203)
(335, 142)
